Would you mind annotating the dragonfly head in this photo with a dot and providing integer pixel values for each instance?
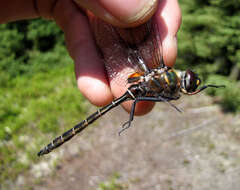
(189, 82)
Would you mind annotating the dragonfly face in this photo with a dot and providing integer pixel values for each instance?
(189, 81)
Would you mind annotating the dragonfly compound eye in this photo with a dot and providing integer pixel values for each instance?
(191, 81)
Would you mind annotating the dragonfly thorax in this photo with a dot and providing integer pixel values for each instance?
(165, 83)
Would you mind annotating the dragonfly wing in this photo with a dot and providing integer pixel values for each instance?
(156, 41)
(114, 52)
(150, 48)
(144, 43)
(126, 51)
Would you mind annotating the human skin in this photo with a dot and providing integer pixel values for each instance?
(71, 17)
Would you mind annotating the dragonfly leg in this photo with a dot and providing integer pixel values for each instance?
(127, 124)
(160, 99)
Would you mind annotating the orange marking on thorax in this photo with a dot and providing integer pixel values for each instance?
(136, 74)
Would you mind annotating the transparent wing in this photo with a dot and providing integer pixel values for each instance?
(155, 46)
(126, 51)
(115, 54)
(144, 43)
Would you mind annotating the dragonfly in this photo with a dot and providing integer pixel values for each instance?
(151, 80)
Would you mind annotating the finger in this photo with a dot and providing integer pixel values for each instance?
(121, 13)
(89, 69)
(168, 17)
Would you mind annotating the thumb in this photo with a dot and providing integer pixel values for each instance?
(121, 13)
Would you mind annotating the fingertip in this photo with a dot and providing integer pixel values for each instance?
(169, 22)
(95, 90)
(142, 108)
(170, 12)
(170, 50)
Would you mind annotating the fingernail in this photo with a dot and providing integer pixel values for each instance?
(131, 11)
(122, 13)
(143, 12)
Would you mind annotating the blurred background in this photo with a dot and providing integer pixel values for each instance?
(39, 99)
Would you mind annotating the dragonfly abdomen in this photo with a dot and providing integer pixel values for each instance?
(82, 125)
(64, 137)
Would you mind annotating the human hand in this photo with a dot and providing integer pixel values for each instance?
(89, 68)
(90, 71)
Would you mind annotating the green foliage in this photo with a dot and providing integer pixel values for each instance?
(36, 108)
(38, 98)
(230, 97)
(209, 43)
(27, 48)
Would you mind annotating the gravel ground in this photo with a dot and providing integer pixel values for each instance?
(164, 150)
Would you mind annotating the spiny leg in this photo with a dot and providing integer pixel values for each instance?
(159, 99)
(167, 101)
(127, 124)
(162, 99)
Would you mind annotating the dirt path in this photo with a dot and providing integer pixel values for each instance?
(199, 150)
